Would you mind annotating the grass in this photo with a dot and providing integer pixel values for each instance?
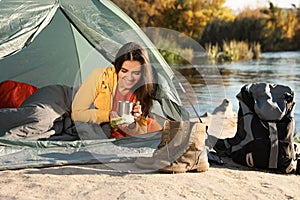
(233, 51)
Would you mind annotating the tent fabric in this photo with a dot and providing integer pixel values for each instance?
(59, 42)
(18, 154)
(51, 58)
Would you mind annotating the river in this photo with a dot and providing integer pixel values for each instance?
(226, 80)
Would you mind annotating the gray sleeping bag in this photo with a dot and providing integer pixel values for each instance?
(44, 113)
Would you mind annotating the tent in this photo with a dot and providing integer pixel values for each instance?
(46, 42)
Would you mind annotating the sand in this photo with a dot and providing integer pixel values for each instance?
(229, 181)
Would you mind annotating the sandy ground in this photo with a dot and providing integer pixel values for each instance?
(229, 181)
(125, 181)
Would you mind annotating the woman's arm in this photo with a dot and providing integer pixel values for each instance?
(84, 98)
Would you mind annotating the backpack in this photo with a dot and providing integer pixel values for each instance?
(265, 130)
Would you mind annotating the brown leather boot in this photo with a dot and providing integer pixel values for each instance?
(182, 149)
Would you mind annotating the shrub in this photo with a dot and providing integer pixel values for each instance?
(233, 51)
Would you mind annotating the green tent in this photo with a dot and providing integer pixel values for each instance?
(45, 42)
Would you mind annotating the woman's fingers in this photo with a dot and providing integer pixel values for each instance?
(137, 111)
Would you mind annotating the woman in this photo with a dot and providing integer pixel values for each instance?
(131, 79)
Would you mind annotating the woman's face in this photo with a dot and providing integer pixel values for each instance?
(130, 74)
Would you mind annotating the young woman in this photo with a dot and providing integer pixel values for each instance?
(131, 79)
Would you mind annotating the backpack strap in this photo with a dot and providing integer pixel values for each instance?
(298, 166)
(274, 145)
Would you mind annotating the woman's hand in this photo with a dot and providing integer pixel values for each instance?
(116, 121)
(137, 111)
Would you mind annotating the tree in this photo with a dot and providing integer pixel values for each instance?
(191, 16)
(280, 28)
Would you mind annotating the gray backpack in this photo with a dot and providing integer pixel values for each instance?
(265, 132)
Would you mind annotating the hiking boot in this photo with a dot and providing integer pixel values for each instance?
(182, 148)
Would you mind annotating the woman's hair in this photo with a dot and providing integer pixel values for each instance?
(144, 88)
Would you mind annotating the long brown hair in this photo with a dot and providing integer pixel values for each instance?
(144, 88)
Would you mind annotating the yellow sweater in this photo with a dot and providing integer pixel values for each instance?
(98, 89)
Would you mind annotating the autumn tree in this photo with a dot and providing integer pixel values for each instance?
(280, 26)
(191, 16)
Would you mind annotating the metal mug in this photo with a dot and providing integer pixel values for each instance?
(124, 108)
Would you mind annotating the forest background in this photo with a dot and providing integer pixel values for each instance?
(216, 27)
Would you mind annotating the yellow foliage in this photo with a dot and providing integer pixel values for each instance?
(189, 13)
(179, 7)
(199, 14)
